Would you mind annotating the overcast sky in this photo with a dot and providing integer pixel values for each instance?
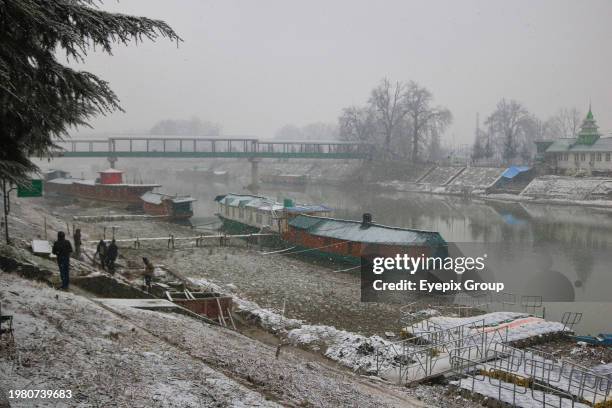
(253, 66)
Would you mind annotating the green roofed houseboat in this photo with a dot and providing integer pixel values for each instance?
(348, 240)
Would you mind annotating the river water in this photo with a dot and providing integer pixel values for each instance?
(562, 253)
(558, 252)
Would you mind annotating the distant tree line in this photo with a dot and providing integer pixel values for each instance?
(510, 131)
(186, 127)
(399, 119)
(311, 131)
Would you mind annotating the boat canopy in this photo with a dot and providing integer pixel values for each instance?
(244, 200)
(157, 198)
(63, 180)
(356, 231)
(513, 171)
(308, 209)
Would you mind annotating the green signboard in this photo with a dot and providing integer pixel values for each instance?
(35, 189)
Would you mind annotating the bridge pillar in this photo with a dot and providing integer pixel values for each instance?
(112, 161)
(254, 172)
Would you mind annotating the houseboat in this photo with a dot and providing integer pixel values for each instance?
(348, 240)
(108, 187)
(171, 207)
(243, 213)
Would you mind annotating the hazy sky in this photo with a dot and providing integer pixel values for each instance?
(254, 66)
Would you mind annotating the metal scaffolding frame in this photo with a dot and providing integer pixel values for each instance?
(549, 380)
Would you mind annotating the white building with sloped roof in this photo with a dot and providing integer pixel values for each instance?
(586, 154)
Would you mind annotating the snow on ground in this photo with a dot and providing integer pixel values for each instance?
(287, 378)
(306, 291)
(349, 349)
(64, 341)
(120, 356)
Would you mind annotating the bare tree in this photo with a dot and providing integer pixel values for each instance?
(186, 127)
(424, 121)
(564, 124)
(388, 103)
(400, 118)
(357, 124)
(289, 132)
(320, 131)
(509, 124)
(311, 131)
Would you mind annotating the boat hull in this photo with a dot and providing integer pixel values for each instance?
(116, 193)
(166, 211)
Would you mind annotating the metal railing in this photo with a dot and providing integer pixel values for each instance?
(428, 353)
(548, 378)
(210, 147)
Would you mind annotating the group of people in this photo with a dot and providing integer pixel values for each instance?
(62, 249)
(107, 255)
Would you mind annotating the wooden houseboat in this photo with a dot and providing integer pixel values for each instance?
(245, 213)
(108, 187)
(171, 207)
(348, 240)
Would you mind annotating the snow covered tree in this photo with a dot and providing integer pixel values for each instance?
(40, 98)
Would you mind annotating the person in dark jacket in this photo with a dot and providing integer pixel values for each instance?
(101, 252)
(62, 249)
(111, 256)
(76, 238)
(148, 273)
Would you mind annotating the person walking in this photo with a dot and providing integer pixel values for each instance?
(62, 249)
(76, 238)
(101, 252)
(148, 273)
(111, 257)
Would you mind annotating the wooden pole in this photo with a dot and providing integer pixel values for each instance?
(229, 313)
(221, 318)
(5, 198)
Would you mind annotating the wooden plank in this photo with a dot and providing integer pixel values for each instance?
(229, 313)
(221, 318)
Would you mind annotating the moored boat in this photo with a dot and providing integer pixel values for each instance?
(108, 187)
(171, 207)
(349, 240)
(244, 213)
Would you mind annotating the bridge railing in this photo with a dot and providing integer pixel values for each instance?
(183, 145)
(143, 145)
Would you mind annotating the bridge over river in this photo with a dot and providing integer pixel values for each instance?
(182, 147)
(192, 147)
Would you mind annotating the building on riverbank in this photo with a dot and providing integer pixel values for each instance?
(586, 154)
